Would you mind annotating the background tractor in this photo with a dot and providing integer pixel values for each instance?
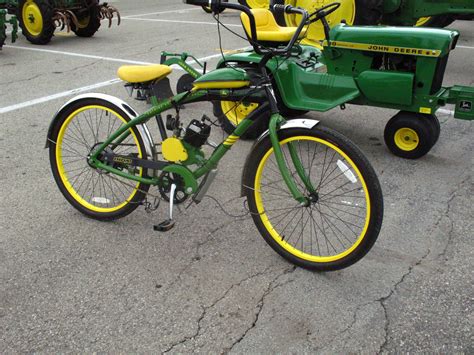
(427, 13)
(3, 25)
(38, 19)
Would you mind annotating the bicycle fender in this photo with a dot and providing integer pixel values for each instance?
(129, 111)
(306, 123)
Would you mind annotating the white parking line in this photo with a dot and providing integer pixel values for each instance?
(57, 96)
(162, 12)
(180, 21)
(85, 88)
(465, 47)
(80, 55)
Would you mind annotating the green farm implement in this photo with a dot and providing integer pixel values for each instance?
(399, 68)
(38, 19)
(3, 27)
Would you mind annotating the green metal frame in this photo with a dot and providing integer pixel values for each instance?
(344, 71)
(204, 166)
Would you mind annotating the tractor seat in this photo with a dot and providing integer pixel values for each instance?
(267, 28)
(143, 73)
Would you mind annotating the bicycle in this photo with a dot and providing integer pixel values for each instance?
(312, 194)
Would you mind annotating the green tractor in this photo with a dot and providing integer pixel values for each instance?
(38, 19)
(3, 26)
(399, 68)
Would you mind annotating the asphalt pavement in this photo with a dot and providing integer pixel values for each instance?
(212, 284)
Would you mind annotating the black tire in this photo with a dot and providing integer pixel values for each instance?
(254, 131)
(355, 180)
(251, 5)
(435, 128)
(44, 32)
(89, 22)
(75, 132)
(440, 21)
(228, 124)
(410, 135)
(368, 12)
(209, 11)
(185, 83)
(3, 36)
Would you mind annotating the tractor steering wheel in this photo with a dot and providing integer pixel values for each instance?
(323, 12)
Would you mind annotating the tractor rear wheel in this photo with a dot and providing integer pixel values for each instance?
(3, 35)
(209, 10)
(353, 12)
(255, 4)
(89, 23)
(439, 21)
(368, 12)
(36, 20)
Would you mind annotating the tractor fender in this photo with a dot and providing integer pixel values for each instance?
(306, 123)
(130, 112)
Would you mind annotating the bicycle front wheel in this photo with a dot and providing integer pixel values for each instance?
(342, 218)
(79, 130)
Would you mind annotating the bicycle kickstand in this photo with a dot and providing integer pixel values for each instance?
(168, 224)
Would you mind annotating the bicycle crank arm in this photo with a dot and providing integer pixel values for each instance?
(168, 224)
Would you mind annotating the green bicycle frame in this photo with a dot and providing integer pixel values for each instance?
(190, 177)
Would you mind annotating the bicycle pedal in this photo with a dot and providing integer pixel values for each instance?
(164, 226)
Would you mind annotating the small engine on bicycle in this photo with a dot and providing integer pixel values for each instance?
(197, 132)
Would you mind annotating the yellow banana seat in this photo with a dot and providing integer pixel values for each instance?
(267, 28)
(143, 73)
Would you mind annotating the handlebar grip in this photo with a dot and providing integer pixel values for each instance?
(200, 2)
(287, 9)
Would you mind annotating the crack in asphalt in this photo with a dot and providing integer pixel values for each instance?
(384, 299)
(205, 309)
(447, 215)
(271, 287)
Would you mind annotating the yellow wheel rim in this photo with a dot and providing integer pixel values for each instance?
(422, 21)
(272, 230)
(315, 33)
(258, 4)
(84, 22)
(32, 18)
(406, 139)
(62, 170)
(235, 114)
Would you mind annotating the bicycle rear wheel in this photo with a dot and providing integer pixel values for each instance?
(80, 129)
(343, 216)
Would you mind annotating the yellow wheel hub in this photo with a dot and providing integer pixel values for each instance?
(406, 139)
(235, 114)
(258, 4)
(315, 32)
(422, 21)
(83, 23)
(32, 18)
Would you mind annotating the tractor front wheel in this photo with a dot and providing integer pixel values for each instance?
(88, 23)
(411, 135)
(36, 20)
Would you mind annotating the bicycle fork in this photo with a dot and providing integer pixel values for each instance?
(276, 121)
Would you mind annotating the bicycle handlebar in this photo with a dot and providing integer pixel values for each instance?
(218, 4)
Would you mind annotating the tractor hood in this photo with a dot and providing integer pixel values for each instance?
(397, 40)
